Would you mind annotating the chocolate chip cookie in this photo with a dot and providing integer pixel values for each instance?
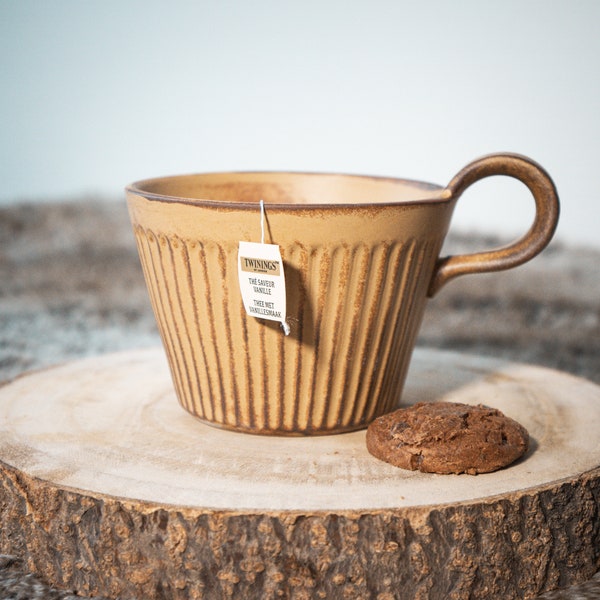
(447, 437)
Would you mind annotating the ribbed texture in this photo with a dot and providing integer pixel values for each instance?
(354, 313)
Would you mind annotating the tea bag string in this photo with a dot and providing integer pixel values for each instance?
(262, 221)
(284, 324)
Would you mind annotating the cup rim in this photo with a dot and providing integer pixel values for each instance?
(431, 193)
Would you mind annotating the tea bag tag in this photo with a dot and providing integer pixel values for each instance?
(262, 280)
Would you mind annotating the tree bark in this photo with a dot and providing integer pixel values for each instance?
(512, 547)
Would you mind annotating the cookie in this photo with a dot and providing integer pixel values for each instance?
(447, 437)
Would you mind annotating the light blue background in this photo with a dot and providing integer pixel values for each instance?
(98, 93)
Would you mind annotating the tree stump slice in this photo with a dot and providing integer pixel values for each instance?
(108, 487)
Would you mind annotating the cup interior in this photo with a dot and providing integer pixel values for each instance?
(287, 189)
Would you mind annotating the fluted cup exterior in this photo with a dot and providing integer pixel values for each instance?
(356, 281)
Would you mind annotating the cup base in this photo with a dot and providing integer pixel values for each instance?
(280, 432)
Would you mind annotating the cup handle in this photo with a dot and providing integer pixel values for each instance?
(525, 248)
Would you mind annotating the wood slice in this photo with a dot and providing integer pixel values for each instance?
(108, 487)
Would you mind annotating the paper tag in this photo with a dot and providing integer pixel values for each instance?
(262, 281)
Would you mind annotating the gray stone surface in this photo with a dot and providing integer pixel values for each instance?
(71, 286)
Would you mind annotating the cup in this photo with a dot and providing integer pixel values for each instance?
(360, 258)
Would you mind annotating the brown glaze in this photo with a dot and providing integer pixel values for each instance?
(360, 257)
(533, 242)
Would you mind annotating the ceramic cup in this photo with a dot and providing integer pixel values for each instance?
(360, 256)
